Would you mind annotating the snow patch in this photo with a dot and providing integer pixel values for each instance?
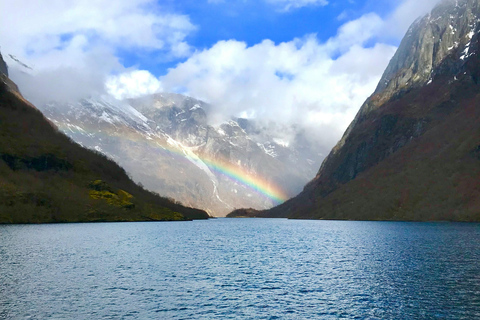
(269, 151)
(281, 142)
(455, 45)
(105, 117)
(465, 52)
(134, 113)
(194, 159)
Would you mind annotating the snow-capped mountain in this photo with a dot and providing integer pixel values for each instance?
(166, 143)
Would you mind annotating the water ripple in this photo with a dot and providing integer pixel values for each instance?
(240, 269)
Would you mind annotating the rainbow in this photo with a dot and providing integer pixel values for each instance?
(236, 173)
(253, 182)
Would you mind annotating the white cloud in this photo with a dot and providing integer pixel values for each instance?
(286, 5)
(40, 26)
(73, 48)
(82, 38)
(77, 74)
(132, 84)
(407, 11)
(318, 87)
(302, 83)
(356, 32)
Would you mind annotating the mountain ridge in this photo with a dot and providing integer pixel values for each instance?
(166, 143)
(378, 170)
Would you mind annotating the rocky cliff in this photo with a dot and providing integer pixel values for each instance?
(412, 151)
(3, 66)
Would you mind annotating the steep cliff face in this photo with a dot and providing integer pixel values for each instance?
(428, 42)
(434, 45)
(3, 66)
(410, 152)
(9, 84)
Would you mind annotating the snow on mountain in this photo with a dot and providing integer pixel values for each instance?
(166, 143)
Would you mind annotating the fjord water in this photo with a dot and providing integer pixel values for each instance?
(240, 269)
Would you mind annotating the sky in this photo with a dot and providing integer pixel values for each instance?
(290, 64)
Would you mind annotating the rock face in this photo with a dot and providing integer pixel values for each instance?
(45, 177)
(10, 85)
(166, 143)
(3, 66)
(448, 30)
(410, 153)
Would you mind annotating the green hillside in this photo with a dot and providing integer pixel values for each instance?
(45, 177)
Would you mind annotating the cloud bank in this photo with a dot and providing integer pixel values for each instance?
(75, 49)
(302, 83)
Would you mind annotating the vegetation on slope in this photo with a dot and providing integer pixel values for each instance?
(434, 177)
(45, 177)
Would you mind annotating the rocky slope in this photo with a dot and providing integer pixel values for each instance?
(3, 66)
(46, 177)
(412, 152)
(165, 142)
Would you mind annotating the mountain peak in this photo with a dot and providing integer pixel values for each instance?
(444, 33)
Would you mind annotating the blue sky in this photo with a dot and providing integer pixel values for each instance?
(290, 64)
(253, 21)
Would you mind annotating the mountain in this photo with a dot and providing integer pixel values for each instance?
(413, 150)
(46, 177)
(166, 143)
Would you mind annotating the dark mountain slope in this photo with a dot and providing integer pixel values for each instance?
(412, 153)
(3, 66)
(45, 177)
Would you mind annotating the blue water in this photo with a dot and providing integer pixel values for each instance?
(240, 269)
